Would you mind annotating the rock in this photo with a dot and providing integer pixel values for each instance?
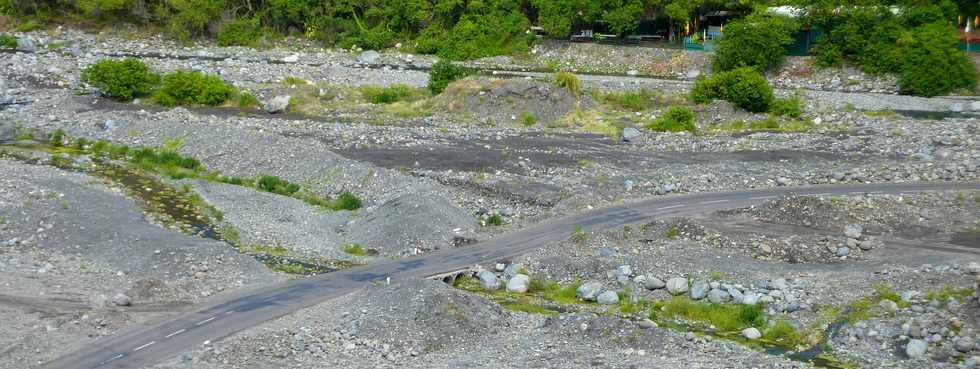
(647, 324)
(779, 284)
(975, 106)
(699, 290)
(511, 270)
(368, 57)
(916, 348)
(964, 344)
(632, 72)
(888, 305)
(853, 231)
(488, 280)
(630, 134)
(120, 299)
(843, 251)
(589, 291)
(717, 296)
(866, 245)
(957, 108)
(782, 181)
(653, 283)
(973, 268)
(677, 285)
(518, 284)
(971, 362)
(751, 333)
(750, 298)
(608, 298)
(623, 274)
(291, 58)
(26, 44)
(277, 104)
(693, 74)
(628, 185)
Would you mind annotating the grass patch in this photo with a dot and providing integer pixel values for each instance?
(247, 100)
(569, 82)
(8, 41)
(293, 81)
(578, 234)
(947, 292)
(355, 249)
(634, 100)
(391, 94)
(528, 119)
(725, 317)
(677, 119)
(784, 334)
(770, 124)
(495, 220)
(672, 232)
(267, 250)
(562, 294)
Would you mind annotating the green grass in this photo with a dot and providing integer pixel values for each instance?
(784, 334)
(528, 119)
(267, 250)
(391, 94)
(527, 306)
(676, 119)
(293, 81)
(634, 100)
(770, 124)
(564, 295)
(569, 82)
(672, 232)
(578, 234)
(8, 41)
(247, 100)
(948, 291)
(355, 249)
(495, 220)
(885, 292)
(628, 306)
(725, 317)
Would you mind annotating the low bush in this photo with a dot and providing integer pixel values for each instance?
(633, 100)
(743, 87)
(790, 106)
(725, 317)
(347, 201)
(355, 249)
(758, 40)
(828, 55)
(443, 73)
(241, 32)
(783, 334)
(185, 87)
(676, 119)
(495, 220)
(388, 95)
(528, 119)
(934, 65)
(276, 185)
(569, 81)
(247, 100)
(121, 79)
(8, 41)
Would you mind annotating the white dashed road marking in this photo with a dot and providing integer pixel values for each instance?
(176, 333)
(144, 346)
(205, 320)
(111, 359)
(670, 207)
(713, 201)
(229, 312)
(762, 197)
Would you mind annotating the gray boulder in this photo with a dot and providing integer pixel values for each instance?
(843, 251)
(888, 305)
(589, 291)
(964, 344)
(519, 283)
(677, 285)
(488, 280)
(973, 268)
(699, 290)
(623, 274)
(608, 298)
(916, 348)
(653, 283)
(277, 104)
(511, 270)
(853, 230)
(368, 57)
(717, 296)
(26, 44)
(751, 333)
(121, 299)
(779, 284)
(750, 298)
(630, 134)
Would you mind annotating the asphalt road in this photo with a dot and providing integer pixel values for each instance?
(146, 345)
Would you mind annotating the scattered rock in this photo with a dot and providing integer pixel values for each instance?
(120, 299)
(518, 284)
(853, 231)
(368, 57)
(964, 344)
(973, 268)
(647, 324)
(677, 285)
(488, 280)
(277, 104)
(589, 291)
(717, 296)
(623, 274)
(630, 134)
(916, 348)
(608, 298)
(653, 283)
(751, 333)
(699, 290)
(26, 44)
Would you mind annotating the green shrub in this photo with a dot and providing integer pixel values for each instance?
(58, 137)
(241, 32)
(388, 95)
(355, 249)
(495, 220)
(725, 317)
(783, 334)
(247, 100)
(347, 201)
(828, 55)
(758, 40)
(791, 106)
(633, 100)
(677, 119)
(8, 41)
(276, 185)
(528, 119)
(443, 73)
(569, 81)
(185, 87)
(743, 87)
(121, 79)
(934, 65)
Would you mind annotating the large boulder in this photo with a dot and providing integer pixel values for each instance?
(519, 283)
(717, 296)
(699, 290)
(653, 283)
(589, 291)
(277, 104)
(488, 280)
(608, 298)
(677, 286)
(916, 348)
(751, 333)
(368, 57)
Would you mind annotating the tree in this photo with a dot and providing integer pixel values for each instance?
(758, 40)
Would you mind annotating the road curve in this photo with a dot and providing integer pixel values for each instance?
(224, 315)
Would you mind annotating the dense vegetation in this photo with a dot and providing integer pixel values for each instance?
(758, 40)
(127, 79)
(743, 87)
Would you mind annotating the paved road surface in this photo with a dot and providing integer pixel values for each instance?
(143, 346)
